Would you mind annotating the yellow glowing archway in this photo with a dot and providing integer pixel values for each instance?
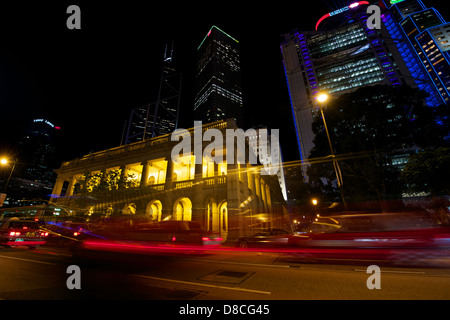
(154, 210)
(211, 216)
(223, 218)
(182, 209)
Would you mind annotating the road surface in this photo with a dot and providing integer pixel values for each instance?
(230, 275)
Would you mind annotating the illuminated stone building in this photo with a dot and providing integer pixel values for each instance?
(141, 179)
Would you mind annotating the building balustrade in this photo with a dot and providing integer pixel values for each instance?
(184, 184)
(217, 180)
(142, 179)
(158, 187)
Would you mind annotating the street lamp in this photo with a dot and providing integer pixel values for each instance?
(4, 162)
(315, 202)
(322, 98)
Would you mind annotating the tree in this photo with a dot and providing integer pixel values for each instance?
(298, 192)
(428, 171)
(105, 181)
(368, 129)
(102, 189)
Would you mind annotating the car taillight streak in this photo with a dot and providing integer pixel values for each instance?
(213, 239)
(14, 234)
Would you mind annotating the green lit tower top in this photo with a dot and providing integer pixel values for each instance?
(218, 92)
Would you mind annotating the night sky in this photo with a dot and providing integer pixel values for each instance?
(87, 81)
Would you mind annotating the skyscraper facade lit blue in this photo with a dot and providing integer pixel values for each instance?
(435, 46)
(343, 54)
(340, 56)
(409, 23)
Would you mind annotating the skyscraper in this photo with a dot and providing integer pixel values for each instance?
(341, 55)
(435, 46)
(420, 33)
(218, 92)
(160, 117)
(38, 151)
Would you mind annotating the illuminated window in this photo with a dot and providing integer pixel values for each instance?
(133, 175)
(240, 171)
(93, 180)
(154, 210)
(208, 168)
(223, 214)
(182, 209)
(222, 169)
(184, 168)
(157, 172)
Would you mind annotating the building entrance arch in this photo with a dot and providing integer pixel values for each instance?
(223, 219)
(154, 210)
(182, 209)
(212, 216)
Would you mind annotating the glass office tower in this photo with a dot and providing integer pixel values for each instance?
(218, 92)
(412, 24)
(435, 46)
(160, 117)
(341, 55)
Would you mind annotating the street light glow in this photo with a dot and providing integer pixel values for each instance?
(314, 202)
(322, 97)
(4, 161)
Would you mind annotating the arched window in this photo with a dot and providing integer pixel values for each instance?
(154, 210)
(182, 209)
(223, 216)
(211, 216)
(151, 180)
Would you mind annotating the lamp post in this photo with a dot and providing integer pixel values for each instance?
(4, 162)
(315, 202)
(322, 98)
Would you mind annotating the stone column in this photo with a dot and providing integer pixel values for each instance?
(198, 172)
(56, 193)
(123, 176)
(144, 176)
(268, 197)
(258, 187)
(72, 182)
(251, 180)
(169, 174)
(263, 194)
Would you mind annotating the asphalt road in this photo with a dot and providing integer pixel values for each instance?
(231, 275)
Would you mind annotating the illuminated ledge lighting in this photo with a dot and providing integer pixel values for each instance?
(209, 33)
(351, 6)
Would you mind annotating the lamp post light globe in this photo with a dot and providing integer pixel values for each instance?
(322, 97)
(4, 161)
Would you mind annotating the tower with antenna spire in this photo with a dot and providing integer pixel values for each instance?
(160, 117)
